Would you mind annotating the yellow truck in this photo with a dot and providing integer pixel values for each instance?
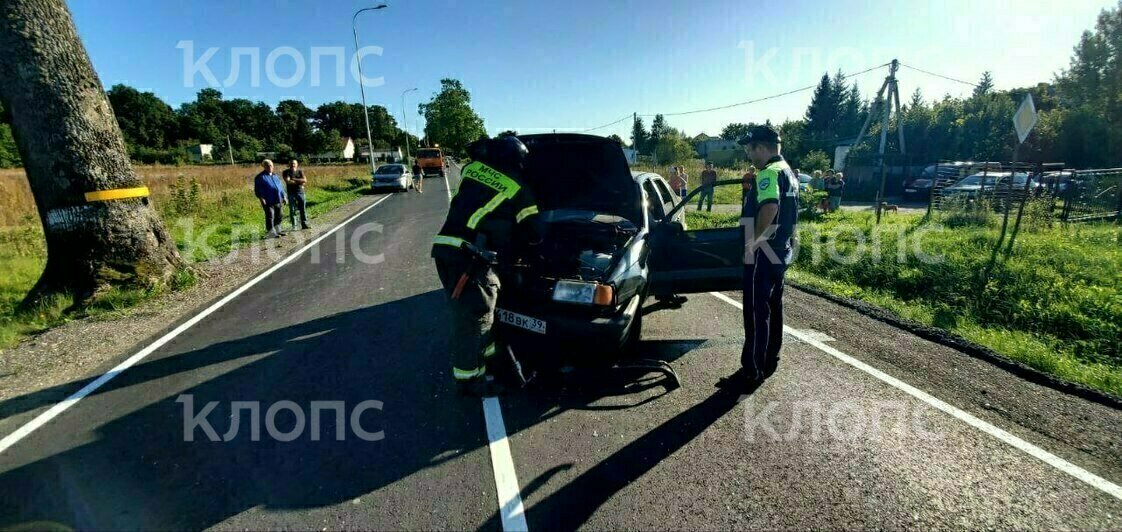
(431, 161)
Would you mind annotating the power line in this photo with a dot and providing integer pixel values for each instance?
(772, 97)
(608, 124)
(738, 104)
(948, 78)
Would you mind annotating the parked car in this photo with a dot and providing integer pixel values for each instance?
(611, 238)
(971, 187)
(919, 188)
(392, 175)
(804, 183)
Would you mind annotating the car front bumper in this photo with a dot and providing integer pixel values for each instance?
(401, 182)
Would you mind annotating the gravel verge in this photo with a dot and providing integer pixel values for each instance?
(90, 346)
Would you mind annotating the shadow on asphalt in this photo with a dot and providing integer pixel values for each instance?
(571, 506)
(139, 473)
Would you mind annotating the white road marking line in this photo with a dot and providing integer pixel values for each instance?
(1079, 473)
(511, 512)
(506, 480)
(447, 187)
(45, 417)
(818, 335)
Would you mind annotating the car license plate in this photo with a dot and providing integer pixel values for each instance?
(520, 321)
(909, 190)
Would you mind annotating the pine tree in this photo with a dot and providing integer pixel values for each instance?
(640, 139)
(985, 85)
(658, 130)
(822, 115)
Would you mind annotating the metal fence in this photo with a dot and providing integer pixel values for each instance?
(1091, 195)
(1069, 195)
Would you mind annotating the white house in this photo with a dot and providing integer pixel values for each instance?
(382, 155)
(348, 148)
(632, 155)
(346, 152)
(200, 152)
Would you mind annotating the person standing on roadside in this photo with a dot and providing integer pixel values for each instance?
(769, 216)
(685, 181)
(678, 180)
(297, 200)
(708, 179)
(835, 186)
(269, 190)
(418, 177)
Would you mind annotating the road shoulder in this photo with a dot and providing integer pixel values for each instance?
(89, 346)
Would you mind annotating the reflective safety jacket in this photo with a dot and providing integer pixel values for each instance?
(776, 183)
(492, 204)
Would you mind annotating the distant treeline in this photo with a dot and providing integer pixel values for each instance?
(157, 133)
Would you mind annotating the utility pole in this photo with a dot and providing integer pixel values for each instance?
(405, 122)
(887, 97)
(229, 149)
(361, 85)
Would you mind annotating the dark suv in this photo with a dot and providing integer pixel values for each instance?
(612, 238)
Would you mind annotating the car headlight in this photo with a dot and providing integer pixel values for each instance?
(582, 292)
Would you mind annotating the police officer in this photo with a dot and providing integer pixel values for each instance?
(492, 214)
(771, 212)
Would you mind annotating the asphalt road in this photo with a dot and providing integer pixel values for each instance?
(601, 452)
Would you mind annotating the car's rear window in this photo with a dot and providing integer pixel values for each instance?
(428, 154)
(581, 173)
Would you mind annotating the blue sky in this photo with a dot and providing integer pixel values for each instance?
(535, 66)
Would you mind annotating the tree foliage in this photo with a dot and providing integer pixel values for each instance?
(735, 131)
(450, 120)
(673, 146)
(640, 138)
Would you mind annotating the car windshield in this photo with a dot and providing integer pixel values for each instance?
(428, 154)
(390, 170)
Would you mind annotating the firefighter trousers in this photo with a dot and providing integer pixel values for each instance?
(472, 315)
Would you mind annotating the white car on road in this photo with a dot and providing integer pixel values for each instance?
(392, 175)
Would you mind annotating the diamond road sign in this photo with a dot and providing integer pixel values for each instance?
(1025, 118)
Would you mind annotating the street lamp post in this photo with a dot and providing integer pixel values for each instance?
(361, 87)
(405, 121)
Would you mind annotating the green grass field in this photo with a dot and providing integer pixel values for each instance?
(1054, 304)
(222, 213)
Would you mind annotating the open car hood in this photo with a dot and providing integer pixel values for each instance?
(573, 172)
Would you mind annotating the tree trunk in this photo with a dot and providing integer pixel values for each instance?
(71, 144)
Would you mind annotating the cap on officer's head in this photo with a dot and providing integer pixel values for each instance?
(761, 134)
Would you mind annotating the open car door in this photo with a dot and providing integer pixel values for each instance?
(685, 261)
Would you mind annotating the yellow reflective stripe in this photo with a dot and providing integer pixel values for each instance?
(528, 211)
(120, 193)
(490, 351)
(465, 374)
(448, 241)
(485, 210)
(494, 179)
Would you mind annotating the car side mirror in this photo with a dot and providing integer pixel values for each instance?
(675, 227)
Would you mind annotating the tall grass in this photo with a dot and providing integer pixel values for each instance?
(1055, 303)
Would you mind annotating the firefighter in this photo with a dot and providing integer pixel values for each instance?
(770, 211)
(492, 217)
